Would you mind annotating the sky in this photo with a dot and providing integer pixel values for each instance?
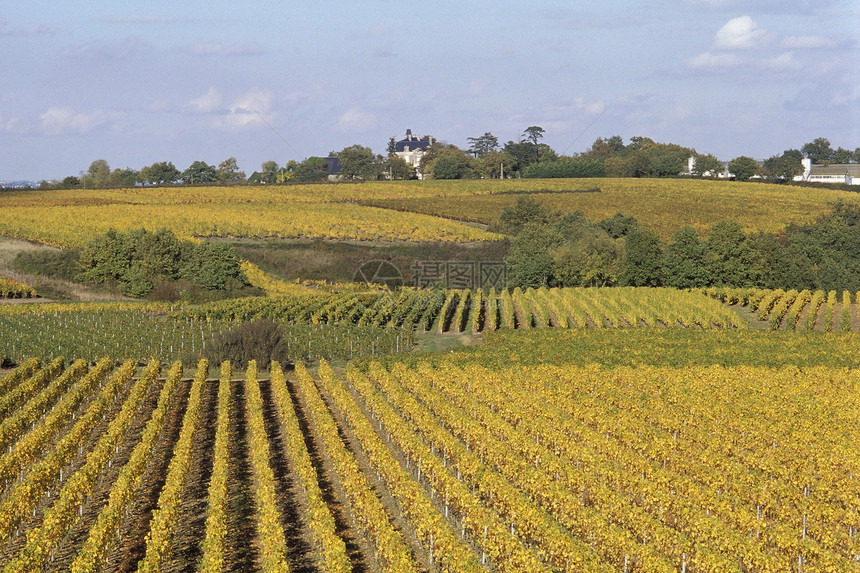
(136, 82)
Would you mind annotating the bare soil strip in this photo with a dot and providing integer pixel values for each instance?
(241, 553)
(132, 531)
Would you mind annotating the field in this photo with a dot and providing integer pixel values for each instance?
(424, 464)
(574, 429)
(422, 211)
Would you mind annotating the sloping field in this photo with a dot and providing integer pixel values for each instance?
(399, 211)
(663, 205)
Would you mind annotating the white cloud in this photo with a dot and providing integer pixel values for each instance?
(246, 110)
(783, 62)
(207, 103)
(355, 120)
(219, 49)
(709, 61)
(741, 33)
(140, 19)
(62, 120)
(807, 43)
(103, 50)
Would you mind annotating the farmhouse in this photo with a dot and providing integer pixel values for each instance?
(848, 173)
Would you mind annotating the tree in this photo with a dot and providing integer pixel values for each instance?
(743, 167)
(818, 150)
(199, 172)
(707, 164)
(97, 175)
(268, 172)
(495, 164)
(529, 261)
(160, 172)
(398, 168)
(448, 162)
(785, 166)
(228, 171)
(358, 162)
(70, 182)
(685, 260)
(392, 146)
(618, 225)
(525, 210)
(311, 169)
(534, 134)
(730, 257)
(480, 146)
(643, 260)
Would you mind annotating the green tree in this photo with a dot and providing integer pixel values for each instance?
(685, 260)
(392, 146)
(398, 168)
(785, 166)
(818, 150)
(159, 172)
(228, 171)
(358, 162)
(127, 177)
(707, 164)
(449, 162)
(199, 172)
(643, 260)
(97, 175)
(526, 210)
(311, 169)
(269, 172)
(495, 164)
(70, 182)
(618, 225)
(534, 134)
(529, 261)
(730, 257)
(591, 259)
(743, 167)
(481, 146)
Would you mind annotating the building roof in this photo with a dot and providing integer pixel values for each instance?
(332, 165)
(411, 141)
(852, 169)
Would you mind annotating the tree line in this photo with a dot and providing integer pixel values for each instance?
(485, 158)
(553, 250)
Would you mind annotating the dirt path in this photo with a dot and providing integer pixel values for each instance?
(132, 531)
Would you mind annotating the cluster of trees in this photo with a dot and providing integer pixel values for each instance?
(485, 157)
(99, 174)
(137, 260)
(570, 250)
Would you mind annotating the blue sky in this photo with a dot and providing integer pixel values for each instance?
(140, 82)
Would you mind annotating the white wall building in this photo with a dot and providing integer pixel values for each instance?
(848, 173)
(411, 149)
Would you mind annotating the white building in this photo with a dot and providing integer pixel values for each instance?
(848, 173)
(411, 149)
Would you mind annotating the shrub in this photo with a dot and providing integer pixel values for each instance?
(261, 340)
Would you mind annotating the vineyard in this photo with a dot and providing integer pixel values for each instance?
(398, 211)
(476, 310)
(793, 310)
(428, 467)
